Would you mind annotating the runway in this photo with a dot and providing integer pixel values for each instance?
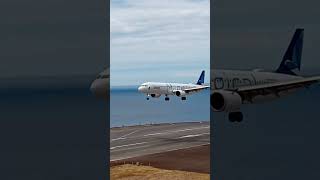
(135, 141)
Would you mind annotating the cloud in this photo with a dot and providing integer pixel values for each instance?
(151, 33)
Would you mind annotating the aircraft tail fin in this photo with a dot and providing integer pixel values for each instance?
(201, 78)
(292, 58)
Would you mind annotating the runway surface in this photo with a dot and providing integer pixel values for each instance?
(134, 141)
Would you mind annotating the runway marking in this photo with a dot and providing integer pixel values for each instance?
(126, 145)
(182, 137)
(170, 132)
(124, 136)
(175, 149)
(193, 135)
(130, 148)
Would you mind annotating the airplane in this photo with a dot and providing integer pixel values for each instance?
(100, 86)
(232, 88)
(156, 89)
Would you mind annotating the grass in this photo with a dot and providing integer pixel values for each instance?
(136, 172)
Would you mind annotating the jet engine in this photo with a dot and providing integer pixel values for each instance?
(155, 95)
(180, 93)
(225, 101)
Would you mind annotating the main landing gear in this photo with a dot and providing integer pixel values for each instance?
(183, 98)
(166, 98)
(235, 116)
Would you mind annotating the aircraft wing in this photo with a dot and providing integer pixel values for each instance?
(196, 89)
(248, 92)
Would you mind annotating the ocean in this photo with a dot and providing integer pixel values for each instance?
(130, 107)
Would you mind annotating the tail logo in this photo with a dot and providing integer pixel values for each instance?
(292, 58)
(201, 78)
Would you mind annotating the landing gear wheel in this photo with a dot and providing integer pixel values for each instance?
(166, 98)
(183, 98)
(147, 98)
(235, 116)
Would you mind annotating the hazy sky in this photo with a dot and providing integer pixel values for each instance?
(251, 34)
(52, 37)
(154, 40)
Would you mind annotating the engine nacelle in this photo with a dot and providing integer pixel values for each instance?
(225, 101)
(155, 95)
(180, 93)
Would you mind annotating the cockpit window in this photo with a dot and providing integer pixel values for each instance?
(103, 76)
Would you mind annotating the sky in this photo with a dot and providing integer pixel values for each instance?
(165, 41)
(52, 38)
(252, 34)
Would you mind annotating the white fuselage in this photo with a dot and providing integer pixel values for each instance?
(234, 79)
(158, 88)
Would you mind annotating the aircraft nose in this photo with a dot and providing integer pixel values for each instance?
(99, 88)
(142, 89)
(93, 87)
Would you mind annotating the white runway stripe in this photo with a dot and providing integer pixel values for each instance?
(193, 135)
(170, 132)
(124, 136)
(126, 145)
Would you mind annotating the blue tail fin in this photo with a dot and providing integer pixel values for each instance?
(292, 58)
(201, 78)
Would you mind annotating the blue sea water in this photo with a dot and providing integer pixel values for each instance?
(129, 107)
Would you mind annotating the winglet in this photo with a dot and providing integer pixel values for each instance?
(201, 79)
